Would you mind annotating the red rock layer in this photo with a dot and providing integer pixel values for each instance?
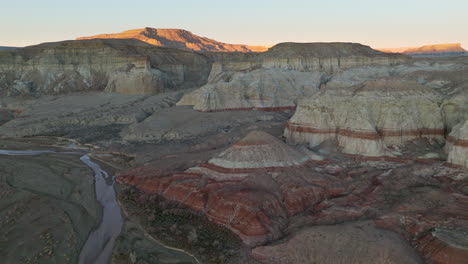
(440, 252)
(417, 225)
(248, 209)
(220, 169)
(457, 142)
(371, 135)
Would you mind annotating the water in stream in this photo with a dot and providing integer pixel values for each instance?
(99, 245)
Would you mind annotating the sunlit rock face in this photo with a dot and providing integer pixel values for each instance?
(429, 49)
(252, 188)
(367, 118)
(95, 65)
(177, 38)
(457, 145)
(278, 78)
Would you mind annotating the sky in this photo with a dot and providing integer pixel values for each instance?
(378, 23)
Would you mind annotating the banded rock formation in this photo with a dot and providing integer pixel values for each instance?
(457, 145)
(367, 118)
(276, 79)
(177, 38)
(251, 188)
(128, 66)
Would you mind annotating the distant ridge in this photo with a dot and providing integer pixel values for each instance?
(437, 49)
(178, 38)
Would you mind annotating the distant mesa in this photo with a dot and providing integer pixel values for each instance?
(451, 48)
(178, 38)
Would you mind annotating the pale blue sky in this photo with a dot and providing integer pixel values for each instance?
(378, 23)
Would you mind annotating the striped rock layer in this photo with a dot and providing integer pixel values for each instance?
(457, 145)
(367, 118)
(251, 188)
(279, 77)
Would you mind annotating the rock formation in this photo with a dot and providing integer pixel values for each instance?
(265, 89)
(128, 66)
(367, 118)
(251, 188)
(276, 79)
(457, 145)
(258, 150)
(133, 79)
(177, 38)
(447, 49)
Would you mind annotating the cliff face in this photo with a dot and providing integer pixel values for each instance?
(276, 79)
(178, 38)
(367, 118)
(127, 66)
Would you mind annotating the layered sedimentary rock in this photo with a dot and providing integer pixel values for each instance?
(457, 145)
(137, 79)
(258, 150)
(177, 38)
(367, 118)
(128, 66)
(351, 243)
(251, 188)
(276, 79)
(265, 89)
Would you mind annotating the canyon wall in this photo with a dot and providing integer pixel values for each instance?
(277, 78)
(367, 118)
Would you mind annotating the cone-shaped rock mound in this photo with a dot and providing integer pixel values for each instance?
(258, 150)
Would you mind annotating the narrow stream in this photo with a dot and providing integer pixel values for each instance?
(98, 247)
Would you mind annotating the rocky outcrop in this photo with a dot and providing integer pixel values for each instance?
(177, 38)
(351, 243)
(128, 66)
(265, 89)
(258, 150)
(457, 145)
(366, 119)
(251, 188)
(276, 79)
(132, 79)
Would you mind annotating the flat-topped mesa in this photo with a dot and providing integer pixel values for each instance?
(326, 57)
(366, 118)
(429, 49)
(257, 151)
(278, 78)
(177, 38)
(457, 145)
(116, 65)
